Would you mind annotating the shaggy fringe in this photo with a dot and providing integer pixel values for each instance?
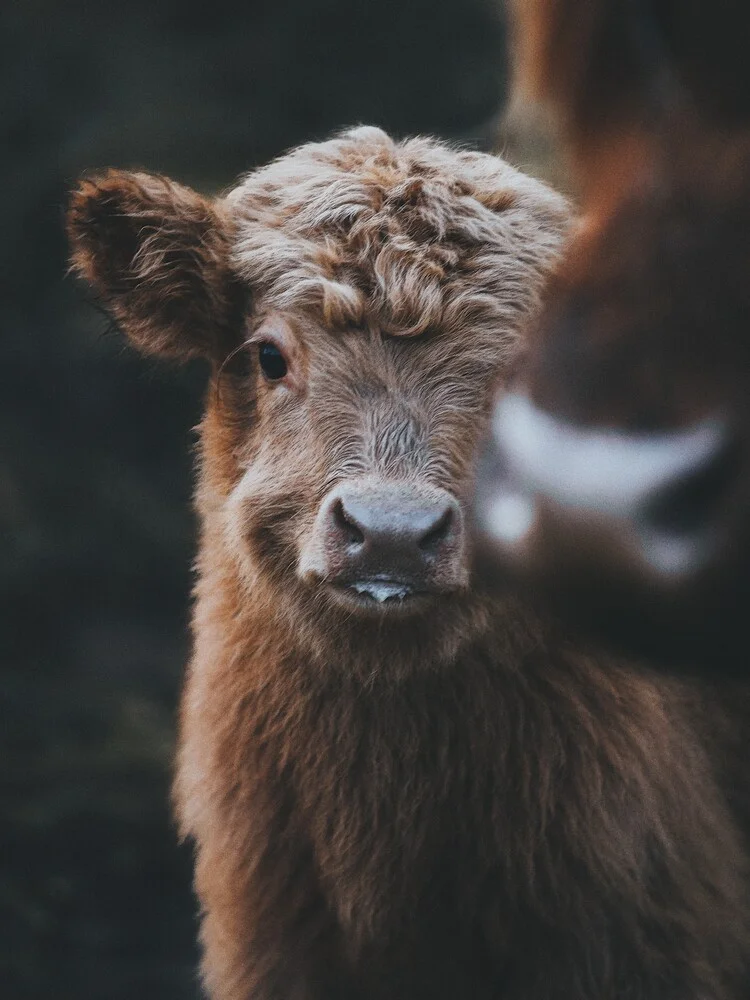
(404, 237)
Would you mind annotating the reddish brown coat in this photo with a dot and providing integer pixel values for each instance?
(642, 347)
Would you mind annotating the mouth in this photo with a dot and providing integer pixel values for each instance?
(381, 593)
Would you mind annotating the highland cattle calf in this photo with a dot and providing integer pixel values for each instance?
(400, 784)
(620, 482)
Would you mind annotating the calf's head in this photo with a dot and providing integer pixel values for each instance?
(358, 299)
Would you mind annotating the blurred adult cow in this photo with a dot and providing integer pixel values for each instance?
(619, 477)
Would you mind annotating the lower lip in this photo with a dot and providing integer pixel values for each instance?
(382, 591)
(383, 595)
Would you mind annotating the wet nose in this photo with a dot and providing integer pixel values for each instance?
(408, 527)
(390, 531)
(698, 494)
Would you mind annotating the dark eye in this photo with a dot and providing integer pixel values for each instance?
(272, 361)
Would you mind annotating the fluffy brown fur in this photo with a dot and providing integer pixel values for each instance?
(452, 802)
(613, 69)
(645, 323)
(165, 274)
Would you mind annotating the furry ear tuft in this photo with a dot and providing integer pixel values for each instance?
(157, 254)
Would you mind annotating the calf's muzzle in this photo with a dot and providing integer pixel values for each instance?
(387, 541)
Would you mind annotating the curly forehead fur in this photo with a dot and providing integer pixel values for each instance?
(406, 236)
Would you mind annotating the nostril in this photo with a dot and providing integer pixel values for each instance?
(692, 502)
(347, 525)
(439, 532)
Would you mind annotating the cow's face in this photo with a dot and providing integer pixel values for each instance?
(620, 475)
(358, 299)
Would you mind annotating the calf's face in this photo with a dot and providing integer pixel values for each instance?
(359, 300)
(355, 464)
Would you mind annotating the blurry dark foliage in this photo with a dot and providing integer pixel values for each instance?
(96, 537)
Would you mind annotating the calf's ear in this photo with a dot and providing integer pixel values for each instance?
(157, 255)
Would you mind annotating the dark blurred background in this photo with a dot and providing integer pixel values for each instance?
(96, 535)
